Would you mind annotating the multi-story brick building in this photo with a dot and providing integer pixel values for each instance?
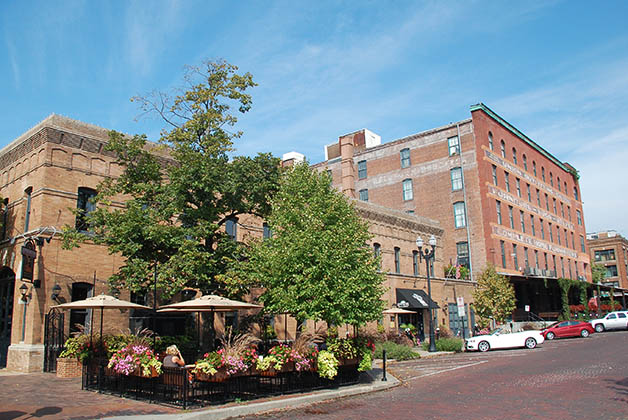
(499, 196)
(56, 166)
(610, 249)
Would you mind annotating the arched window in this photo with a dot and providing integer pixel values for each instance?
(558, 182)
(543, 173)
(525, 162)
(490, 140)
(551, 179)
(514, 155)
(397, 260)
(415, 262)
(503, 149)
(27, 216)
(534, 167)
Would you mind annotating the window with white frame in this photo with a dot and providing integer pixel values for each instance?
(456, 179)
(407, 190)
(405, 158)
(454, 145)
(459, 216)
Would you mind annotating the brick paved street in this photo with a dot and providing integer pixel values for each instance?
(562, 379)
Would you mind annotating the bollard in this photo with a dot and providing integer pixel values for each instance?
(384, 366)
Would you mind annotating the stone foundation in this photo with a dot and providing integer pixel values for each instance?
(69, 368)
(26, 358)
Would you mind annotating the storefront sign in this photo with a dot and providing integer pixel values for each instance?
(460, 302)
(29, 254)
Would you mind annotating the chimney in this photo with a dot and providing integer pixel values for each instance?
(346, 164)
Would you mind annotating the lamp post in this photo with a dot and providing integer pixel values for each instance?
(427, 255)
(23, 292)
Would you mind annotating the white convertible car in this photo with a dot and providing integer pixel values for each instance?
(501, 339)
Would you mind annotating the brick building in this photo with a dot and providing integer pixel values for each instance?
(610, 249)
(500, 198)
(55, 167)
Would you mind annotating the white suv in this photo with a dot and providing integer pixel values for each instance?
(617, 320)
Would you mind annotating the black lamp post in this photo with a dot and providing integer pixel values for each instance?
(56, 291)
(427, 255)
(23, 292)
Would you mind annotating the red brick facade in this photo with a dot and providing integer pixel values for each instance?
(610, 250)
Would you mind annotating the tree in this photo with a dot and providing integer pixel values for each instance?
(494, 297)
(317, 264)
(178, 195)
(598, 273)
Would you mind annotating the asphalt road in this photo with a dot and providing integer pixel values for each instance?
(577, 378)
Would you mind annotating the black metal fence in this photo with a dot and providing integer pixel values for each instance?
(175, 386)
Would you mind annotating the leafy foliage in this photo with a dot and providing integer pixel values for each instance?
(317, 264)
(178, 195)
(494, 297)
(446, 344)
(394, 351)
(598, 273)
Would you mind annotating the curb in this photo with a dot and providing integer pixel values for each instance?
(284, 403)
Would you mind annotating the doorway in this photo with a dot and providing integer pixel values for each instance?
(80, 319)
(7, 290)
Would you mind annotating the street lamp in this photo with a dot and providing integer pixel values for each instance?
(427, 255)
(24, 300)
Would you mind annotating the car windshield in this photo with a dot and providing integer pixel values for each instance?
(553, 325)
(496, 331)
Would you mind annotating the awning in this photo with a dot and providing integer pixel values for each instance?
(414, 299)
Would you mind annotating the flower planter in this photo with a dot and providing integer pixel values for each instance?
(139, 372)
(69, 367)
(348, 362)
(219, 376)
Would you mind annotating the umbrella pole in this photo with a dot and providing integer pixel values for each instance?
(198, 329)
(101, 311)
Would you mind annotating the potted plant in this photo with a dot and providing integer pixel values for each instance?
(327, 364)
(209, 368)
(344, 349)
(278, 359)
(135, 359)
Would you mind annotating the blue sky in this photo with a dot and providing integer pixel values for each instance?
(558, 71)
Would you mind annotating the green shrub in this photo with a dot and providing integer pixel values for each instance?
(445, 344)
(394, 351)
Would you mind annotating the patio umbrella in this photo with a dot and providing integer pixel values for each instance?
(397, 311)
(103, 302)
(210, 303)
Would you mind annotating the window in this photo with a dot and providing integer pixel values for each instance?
(514, 256)
(546, 202)
(331, 177)
(534, 168)
(579, 217)
(569, 213)
(582, 243)
(536, 258)
(459, 216)
(494, 175)
(498, 206)
(502, 246)
(543, 173)
(456, 179)
(85, 205)
(362, 169)
(410, 211)
(532, 228)
(462, 253)
(523, 221)
(231, 228)
(573, 244)
(454, 145)
(558, 235)
(611, 271)
(490, 140)
(551, 179)
(525, 257)
(529, 194)
(364, 195)
(511, 218)
(525, 162)
(27, 216)
(377, 251)
(538, 197)
(507, 181)
(267, 232)
(518, 185)
(545, 259)
(415, 262)
(405, 158)
(558, 182)
(397, 260)
(5, 217)
(514, 155)
(407, 190)
(551, 232)
(503, 148)
(554, 205)
(555, 266)
(562, 209)
(542, 229)
(562, 264)
(605, 255)
(575, 193)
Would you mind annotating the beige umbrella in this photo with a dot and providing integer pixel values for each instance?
(397, 311)
(211, 303)
(103, 302)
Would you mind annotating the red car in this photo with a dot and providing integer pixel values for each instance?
(567, 329)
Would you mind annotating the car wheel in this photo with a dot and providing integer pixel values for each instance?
(550, 336)
(599, 328)
(483, 346)
(530, 343)
(584, 333)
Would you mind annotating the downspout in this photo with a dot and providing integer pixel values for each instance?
(466, 212)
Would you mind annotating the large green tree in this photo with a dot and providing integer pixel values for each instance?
(598, 273)
(494, 297)
(317, 264)
(173, 199)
